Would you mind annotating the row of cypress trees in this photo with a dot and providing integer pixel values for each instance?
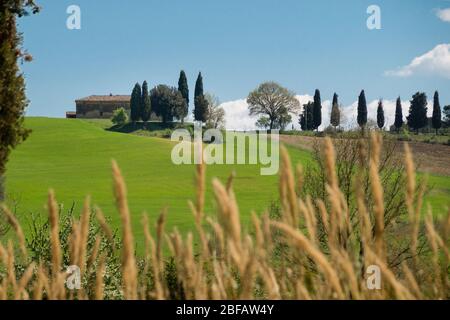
(417, 118)
(141, 101)
(311, 118)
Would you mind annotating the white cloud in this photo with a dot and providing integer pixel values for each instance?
(443, 14)
(434, 62)
(238, 118)
(237, 115)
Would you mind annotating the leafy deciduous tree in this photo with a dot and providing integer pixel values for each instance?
(272, 100)
(216, 114)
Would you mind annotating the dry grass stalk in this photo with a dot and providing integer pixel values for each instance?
(17, 228)
(234, 264)
(54, 233)
(377, 192)
(129, 270)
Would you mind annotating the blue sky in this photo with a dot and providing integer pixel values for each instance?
(302, 44)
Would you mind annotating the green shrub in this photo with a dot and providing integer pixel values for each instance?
(120, 117)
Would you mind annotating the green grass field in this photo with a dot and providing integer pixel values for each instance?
(74, 158)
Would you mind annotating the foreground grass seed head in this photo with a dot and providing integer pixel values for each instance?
(287, 257)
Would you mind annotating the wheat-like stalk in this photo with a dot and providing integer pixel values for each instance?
(312, 252)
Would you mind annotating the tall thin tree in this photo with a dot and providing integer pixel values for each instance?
(436, 120)
(398, 115)
(13, 100)
(380, 115)
(200, 102)
(184, 89)
(335, 117)
(317, 114)
(362, 110)
(135, 103)
(146, 106)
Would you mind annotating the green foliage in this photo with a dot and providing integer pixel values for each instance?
(436, 120)
(135, 103)
(39, 246)
(335, 117)
(13, 100)
(417, 118)
(398, 115)
(317, 118)
(362, 110)
(272, 100)
(447, 116)
(119, 117)
(168, 103)
(307, 117)
(263, 123)
(184, 90)
(201, 108)
(282, 121)
(200, 102)
(380, 115)
(199, 86)
(146, 105)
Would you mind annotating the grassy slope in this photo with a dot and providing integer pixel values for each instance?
(73, 157)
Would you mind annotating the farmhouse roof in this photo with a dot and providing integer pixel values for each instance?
(106, 98)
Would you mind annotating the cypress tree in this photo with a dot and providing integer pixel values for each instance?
(335, 117)
(135, 103)
(146, 106)
(184, 89)
(306, 120)
(199, 86)
(301, 122)
(362, 110)
(380, 115)
(200, 102)
(317, 116)
(398, 115)
(13, 100)
(417, 117)
(437, 115)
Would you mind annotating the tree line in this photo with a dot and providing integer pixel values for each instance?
(274, 104)
(171, 103)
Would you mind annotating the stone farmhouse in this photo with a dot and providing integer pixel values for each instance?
(99, 107)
